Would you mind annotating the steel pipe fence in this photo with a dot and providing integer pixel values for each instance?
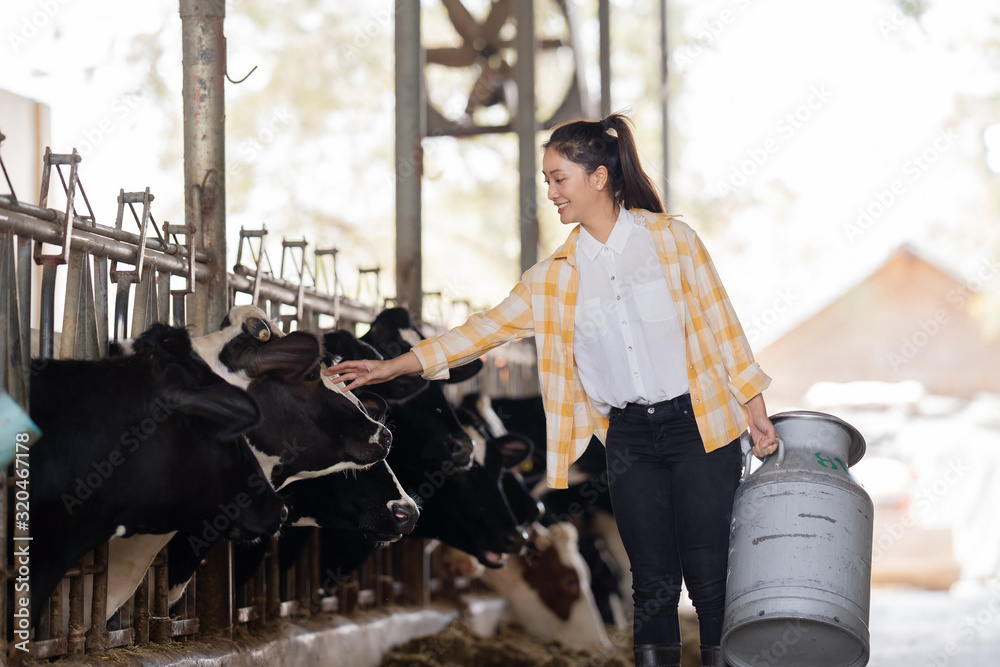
(154, 270)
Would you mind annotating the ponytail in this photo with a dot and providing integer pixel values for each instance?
(609, 143)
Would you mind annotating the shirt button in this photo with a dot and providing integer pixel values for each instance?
(629, 348)
(618, 298)
(636, 374)
(612, 277)
(624, 323)
(691, 366)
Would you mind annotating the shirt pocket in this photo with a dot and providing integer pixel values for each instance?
(654, 301)
(591, 322)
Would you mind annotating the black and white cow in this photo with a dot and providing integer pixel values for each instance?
(427, 419)
(369, 501)
(465, 508)
(309, 427)
(476, 413)
(463, 505)
(586, 503)
(142, 443)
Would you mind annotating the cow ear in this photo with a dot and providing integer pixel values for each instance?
(375, 405)
(465, 372)
(228, 410)
(513, 449)
(293, 354)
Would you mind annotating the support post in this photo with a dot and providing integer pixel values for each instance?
(204, 67)
(214, 587)
(527, 126)
(604, 22)
(409, 157)
(665, 101)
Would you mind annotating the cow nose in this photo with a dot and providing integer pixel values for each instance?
(406, 515)
(460, 450)
(384, 437)
(516, 539)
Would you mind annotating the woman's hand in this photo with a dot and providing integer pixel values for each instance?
(373, 371)
(761, 429)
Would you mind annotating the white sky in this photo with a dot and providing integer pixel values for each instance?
(871, 90)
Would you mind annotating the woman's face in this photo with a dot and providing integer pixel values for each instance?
(575, 194)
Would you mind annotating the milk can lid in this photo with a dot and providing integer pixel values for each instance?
(856, 448)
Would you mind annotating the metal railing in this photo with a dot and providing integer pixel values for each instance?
(166, 269)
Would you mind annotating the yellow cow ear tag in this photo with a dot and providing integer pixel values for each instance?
(528, 466)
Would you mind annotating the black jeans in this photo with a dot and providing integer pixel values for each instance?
(673, 503)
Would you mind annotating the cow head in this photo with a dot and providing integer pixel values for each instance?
(310, 425)
(427, 418)
(369, 500)
(341, 345)
(141, 443)
(510, 450)
(467, 508)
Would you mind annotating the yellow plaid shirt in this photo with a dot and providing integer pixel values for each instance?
(722, 373)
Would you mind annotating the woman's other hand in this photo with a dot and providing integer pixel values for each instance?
(761, 429)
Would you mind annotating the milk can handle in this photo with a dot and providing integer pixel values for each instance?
(745, 438)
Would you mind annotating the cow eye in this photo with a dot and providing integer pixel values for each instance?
(312, 376)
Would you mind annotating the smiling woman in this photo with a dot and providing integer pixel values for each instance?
(667, 380)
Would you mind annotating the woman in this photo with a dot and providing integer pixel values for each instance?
(638, 343)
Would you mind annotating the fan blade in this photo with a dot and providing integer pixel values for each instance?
(465, 25)
(486, 91)
(498, 15)
(461, 56)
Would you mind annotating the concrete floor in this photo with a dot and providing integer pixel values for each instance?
(921, 628)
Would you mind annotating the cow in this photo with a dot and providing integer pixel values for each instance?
(464, 508)
(484, 426)
(426, 418)
(309, 427)
(586, 503)
(141, 443)
(547, 588)
(370, 501)
(462, 502)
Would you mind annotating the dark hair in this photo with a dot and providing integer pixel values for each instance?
(608, 142)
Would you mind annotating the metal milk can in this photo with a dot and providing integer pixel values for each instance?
(800, 548)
